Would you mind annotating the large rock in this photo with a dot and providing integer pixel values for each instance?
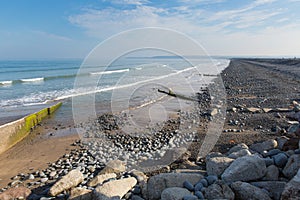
(292, 189)
(275, 188)
(217, 165)
(245, 190)
(15, 193)
(114, 189)
(174, 193)
(99, 179)
(218, 190)
(264, 146)
(72, 179)
(114, 166)
(245, 168)
(292, 166)
(80, 194)
(160, 182)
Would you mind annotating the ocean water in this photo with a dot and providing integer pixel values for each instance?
(27, 86)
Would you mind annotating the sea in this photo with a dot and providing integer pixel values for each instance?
(27, 86)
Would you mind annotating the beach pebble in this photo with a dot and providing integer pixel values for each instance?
(188, 185)
(211, 179)
(280, 159)
(199, 195)
(198, 186)
(31, 177)
(204, 182)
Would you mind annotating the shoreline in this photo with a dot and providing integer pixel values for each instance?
(250, 85)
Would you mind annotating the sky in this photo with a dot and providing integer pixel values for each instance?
(49, 29)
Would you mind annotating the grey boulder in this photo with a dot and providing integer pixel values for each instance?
(247, 168)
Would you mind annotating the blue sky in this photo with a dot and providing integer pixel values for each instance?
(35, 29)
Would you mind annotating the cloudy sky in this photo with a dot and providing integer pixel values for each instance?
(35, 29)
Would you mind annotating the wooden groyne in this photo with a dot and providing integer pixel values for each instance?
(13, 132)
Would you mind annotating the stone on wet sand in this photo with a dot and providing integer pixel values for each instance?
(275, 188)
(245, 168)
(99, 179)
(245, 190)
(174, 193)
(80, 194)
(292, 189)
(217, 165)
(158, 183)
(114, 166)
(218, 190)
(292, 166)
(15, 193)
(264, 146)
(72, 179)
(115, 188)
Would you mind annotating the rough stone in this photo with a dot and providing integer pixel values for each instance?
(80, 194)
(280, 159)
(99, 179)
(292, 189)
(114, 166)
(174, 193)
(274, 188)
(264, 146)
(158, 183)
(218, 190)
(292, 166)
(240, 153)
(72, 179)
(281, 141)
(15, 193)
(217, 165)
(237, 147)
(115, 188)
(245, 168)
(272, 173)
(245, 190)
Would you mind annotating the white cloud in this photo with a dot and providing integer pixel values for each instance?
(223, 32)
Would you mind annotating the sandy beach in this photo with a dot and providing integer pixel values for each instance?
(250, 83)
